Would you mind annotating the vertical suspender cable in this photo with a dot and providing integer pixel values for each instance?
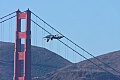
(52, 42)
(57, 47)
(44, 41)
(67, 49)
(9, 30)
(50, 45)
(35, 35)
(1, 35)
(58, 51)
(42, 38)
(36, 32)
(1, 31)
(75, 54)
(83, 55)
(65, 52)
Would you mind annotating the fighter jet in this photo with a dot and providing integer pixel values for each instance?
(51, 37)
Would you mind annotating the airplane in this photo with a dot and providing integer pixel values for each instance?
(51, 37)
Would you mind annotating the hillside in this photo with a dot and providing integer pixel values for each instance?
(43, 61)
(47, 65)
(85, 70)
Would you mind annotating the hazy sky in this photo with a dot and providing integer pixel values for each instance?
(92, 24)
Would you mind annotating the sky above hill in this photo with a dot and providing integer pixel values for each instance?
(92, 24)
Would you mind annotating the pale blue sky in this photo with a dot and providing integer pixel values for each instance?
(92, 24)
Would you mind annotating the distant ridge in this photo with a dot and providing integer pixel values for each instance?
(45, 67)
(87, 71)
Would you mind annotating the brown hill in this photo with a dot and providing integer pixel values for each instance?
(43, 61)
(85, 70)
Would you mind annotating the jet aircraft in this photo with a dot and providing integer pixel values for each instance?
(51, 37)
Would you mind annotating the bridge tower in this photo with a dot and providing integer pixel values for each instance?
(22, 59)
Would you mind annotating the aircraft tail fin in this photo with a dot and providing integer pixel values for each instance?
(47, 40)
(56, 35)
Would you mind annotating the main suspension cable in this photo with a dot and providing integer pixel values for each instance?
(76, 44)
(77, 52)
(8, 19)
(8, 15)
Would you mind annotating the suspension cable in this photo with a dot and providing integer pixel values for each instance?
(77, 52)
(76, 44)
(40, 26)
(8, 15)
(7, 19)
